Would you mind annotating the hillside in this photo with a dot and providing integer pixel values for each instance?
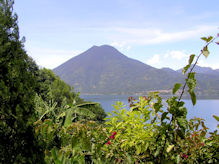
(104, 70)
(204, 70)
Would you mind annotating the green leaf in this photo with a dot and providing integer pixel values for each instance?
(185, 69)
(157, 106)
(55, 157)
(53, 152)
(208, 39)
(181, 133)
(176, 87)
(87, 104)
(191, 58)
(170, 147)
(191, 75)
(157, 152)
(182, 112)
(204, 38)
(138, 149)
(205, 51)
(178, 159)
(74, 142)
(68, 119)
(182, 122)
(191, 81)
(129, 160)
(193, 97)
(216, 117)
(164, 116)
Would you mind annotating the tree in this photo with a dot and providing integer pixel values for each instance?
(53, 90)
(18, 143)
(51, 87)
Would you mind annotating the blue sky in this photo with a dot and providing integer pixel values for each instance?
(159, 33)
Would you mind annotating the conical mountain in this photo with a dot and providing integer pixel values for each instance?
(104, 70)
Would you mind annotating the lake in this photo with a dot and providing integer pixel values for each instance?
(203, 108)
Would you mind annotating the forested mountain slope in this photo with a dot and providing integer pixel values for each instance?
(104, 70)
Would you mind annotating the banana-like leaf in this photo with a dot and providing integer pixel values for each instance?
(86, 104)
(68, 118)
(84, 112)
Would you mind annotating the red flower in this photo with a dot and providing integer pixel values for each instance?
(114, 133)
(108, 143)
(184, 156)
(111, 137)
(202, 144)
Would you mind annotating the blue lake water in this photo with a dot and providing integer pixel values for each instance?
(203, 108)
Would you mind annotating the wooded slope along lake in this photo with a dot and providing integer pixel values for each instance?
(203, 109)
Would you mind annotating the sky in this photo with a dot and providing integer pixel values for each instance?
(161, 33)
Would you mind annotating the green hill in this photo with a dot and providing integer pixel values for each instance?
(104, 70)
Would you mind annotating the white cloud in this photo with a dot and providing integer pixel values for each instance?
(122, 46)
(145, 36)
(202, 63)
(166, 55)
(176, 54)
(154, 60)
(128, 48)
(51, 58)
(117, 44)
(174, 59)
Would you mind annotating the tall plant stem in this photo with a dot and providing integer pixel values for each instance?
(189, 74)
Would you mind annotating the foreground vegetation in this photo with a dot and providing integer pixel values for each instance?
(44, 121)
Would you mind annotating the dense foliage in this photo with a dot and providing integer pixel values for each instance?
(43, 121)
(17, 85)
(51, 89)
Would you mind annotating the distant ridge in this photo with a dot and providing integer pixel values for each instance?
(204, 70)
(104, 70)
